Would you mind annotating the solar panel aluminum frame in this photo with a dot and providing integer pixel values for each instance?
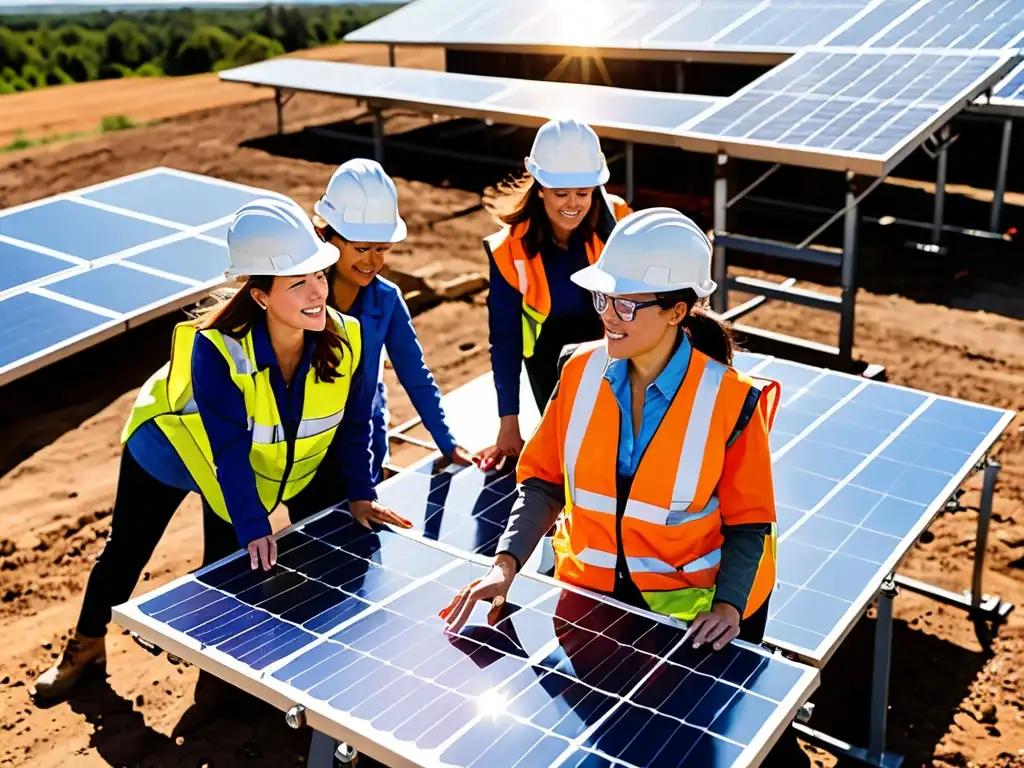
(820, 656)
(856, 162)
(1001, 106)
(119, 322)
(340, 726)
(482, 110)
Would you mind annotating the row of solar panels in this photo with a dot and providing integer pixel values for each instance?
(843, 110)
(727, 28)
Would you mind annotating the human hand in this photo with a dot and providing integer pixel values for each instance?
(493, 586)
(720, 625)
(463, 457)
(510, 443)
(263, 550)
(366, 512)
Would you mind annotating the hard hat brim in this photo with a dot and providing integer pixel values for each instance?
(362, 233)
(576, 180)
(325, 257)
(593, 278)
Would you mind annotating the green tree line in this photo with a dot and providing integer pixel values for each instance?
(39, 51)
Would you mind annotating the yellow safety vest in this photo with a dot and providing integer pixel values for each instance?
(282, 469)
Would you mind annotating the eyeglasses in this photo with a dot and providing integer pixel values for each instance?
(624, 308)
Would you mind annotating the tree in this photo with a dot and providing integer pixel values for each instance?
(126, 44)
(204, 48)
(251, 48)
(79, 62)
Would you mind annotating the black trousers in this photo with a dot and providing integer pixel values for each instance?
(143, 507)
(542, 368)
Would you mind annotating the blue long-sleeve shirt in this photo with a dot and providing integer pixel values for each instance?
(505, 312)
(387, 323)
(222, 410)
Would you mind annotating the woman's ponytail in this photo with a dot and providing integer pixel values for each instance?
(707, 334)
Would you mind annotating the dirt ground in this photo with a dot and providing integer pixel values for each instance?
(951, 703)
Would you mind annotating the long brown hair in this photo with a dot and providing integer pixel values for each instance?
(707, 334)
(518, 201)
(235, 316)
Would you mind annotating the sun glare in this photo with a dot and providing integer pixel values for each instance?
(491, 702)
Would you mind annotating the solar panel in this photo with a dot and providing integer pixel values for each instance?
(346, 624)
(643, 116)
(1007, 96)
(860, 470)
(849, 110)
(988, 24)
(83, 266)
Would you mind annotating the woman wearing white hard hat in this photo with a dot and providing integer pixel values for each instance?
(255, 394)
(358, 214)
(676, 514)
(555, 221)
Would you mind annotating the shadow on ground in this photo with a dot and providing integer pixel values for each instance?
(930, 677)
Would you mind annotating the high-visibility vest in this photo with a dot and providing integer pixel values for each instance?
(672, 524)
(526, 274)
(282, 468)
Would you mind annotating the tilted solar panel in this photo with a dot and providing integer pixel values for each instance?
(346, 624)
(854, 107)
(988, 25)
(83, 266)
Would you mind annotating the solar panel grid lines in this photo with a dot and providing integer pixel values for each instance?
(158, 243)
(501, 696)
(888, 466)
(976, 25)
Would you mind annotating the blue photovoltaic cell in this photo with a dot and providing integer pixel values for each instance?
(30, 324)
(1012, 87)
(871, 24)
(956, 24)
(193, 258)
(79, 230)
(859, 468)
(869, 103)
(558, 673)
(189, 200)
(118, 288)
(21, 265)
(794, 26)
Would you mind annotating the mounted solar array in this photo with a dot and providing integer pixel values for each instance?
(81, 267)
(728, 30)
(1007, 96)
(346, 625)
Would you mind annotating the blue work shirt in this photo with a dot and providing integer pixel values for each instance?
(222, 410)
(657, 398)
(386, 323)
(505, 314)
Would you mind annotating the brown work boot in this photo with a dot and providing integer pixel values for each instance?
(80, 654)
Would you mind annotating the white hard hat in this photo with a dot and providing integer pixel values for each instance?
(275, 237)
(655, 250)
(566, 154)
(361, 204)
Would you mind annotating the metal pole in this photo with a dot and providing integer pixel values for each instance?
(630, 180)
(940, 186)
(680, 77)
(391, 55)
(279, 106)
(848, 277)
(1000, 191)
(378, 136)
(321, 751)
(988, 488)
(719, 269)
(880, 675)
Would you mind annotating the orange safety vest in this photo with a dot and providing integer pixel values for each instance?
(526, 274)
(672, 523)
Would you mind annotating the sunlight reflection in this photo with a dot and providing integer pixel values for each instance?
(491, 702)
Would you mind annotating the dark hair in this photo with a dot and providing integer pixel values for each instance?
(328, 233)
(235, 317)
(707, 333)
(518, 201)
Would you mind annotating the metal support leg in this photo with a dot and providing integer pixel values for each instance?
(720, 269)
(940, 185)
(880, 679)
(279, 106)
(630, 180)
(1000, 191)
(378, 136)
(321, 751)
(988, 489)
(848, 276)
(391, 55)
(680, 77)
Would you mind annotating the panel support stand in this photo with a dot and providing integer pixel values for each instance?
(940, 185)
(280, 100)
(325, 752)
(719, 267)
(680, 69)
(378, 136)
(391, 55)
(848, 271)
(988, 612)
(1000, 191)
(630, 178)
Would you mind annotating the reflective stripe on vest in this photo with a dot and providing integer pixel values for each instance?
(178, 417)
(675, 516)
(528, 276)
